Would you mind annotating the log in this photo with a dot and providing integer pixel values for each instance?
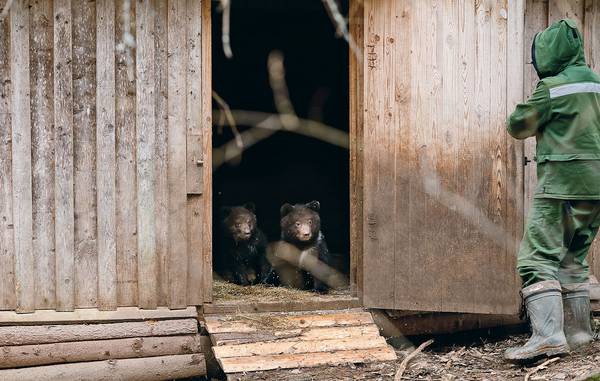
(142, 369)
(45, 334)
(19, 356)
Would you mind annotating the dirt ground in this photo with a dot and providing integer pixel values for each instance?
(477, 361)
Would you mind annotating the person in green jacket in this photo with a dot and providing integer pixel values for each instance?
(564, 116)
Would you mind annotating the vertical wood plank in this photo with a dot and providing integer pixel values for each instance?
(536, 20)
(64, 166)
(21, 156)
(105, 147)
(195, 127)
(207, 205)
(126, 200)
(515, 170)
(379, 240)
(402, 24)
(177, 153)
(560, 9)
(84, 127)
(162, 144)
(42, 136)
(7, 249)
(356, 88)
(145, 142)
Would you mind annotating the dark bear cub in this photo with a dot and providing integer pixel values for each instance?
(301, 227)
(240, 246)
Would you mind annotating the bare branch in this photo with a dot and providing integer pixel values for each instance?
(341, 25)
(225, 29)
(227, 115)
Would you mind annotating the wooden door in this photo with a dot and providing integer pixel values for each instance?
(105, 154)
(443, 181)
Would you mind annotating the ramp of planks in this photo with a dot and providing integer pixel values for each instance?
(267, 341)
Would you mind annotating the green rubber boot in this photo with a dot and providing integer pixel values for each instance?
(543, 302)
(578, 323)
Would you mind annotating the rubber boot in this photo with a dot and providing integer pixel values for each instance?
(578, 324)
(543, 302)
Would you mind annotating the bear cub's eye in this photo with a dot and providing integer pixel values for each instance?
(310, 222)
(297, 224)
(237, 225)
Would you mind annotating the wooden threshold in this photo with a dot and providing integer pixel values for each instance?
(316, 304)
(92, 315)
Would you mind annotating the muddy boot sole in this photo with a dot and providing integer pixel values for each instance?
(544, 352)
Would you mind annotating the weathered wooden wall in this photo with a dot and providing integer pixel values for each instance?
(104, 154)
(442, 179)
(539, 14)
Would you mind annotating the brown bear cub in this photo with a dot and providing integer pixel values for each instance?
(240, 246)
(301, 228)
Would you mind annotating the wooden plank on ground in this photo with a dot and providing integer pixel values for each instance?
(105, 158)
(145, 142)
(80, 351)
(337, 303)
(177, 106)
(294, 334)
(84, 149)
(7, 248)
(308, 360)
(254, 322)
(42, 146)
(299, 346)
(93, 315)
(46, 334)
(21, 157)
(141, 369)
(64, 170)
(126, 202)
(195, 155)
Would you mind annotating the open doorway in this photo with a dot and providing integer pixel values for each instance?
(278, 167)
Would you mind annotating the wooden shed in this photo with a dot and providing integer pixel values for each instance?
(106, 167)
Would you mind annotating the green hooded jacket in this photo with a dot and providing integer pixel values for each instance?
(564, 115)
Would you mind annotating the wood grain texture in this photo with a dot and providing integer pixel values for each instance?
(141, 369)
(64, 165)
(42, 147)
(441, 178)
(207, 206)
(126, 193)
(195, 155)
(356, 87)
(93, 315)
(7, 248)
(59, 353)
(84, 151)
(145, 142)
(105, 159)
(162, 144)
(45, 334)
(177, 106)
(21, 157)
(573, 9)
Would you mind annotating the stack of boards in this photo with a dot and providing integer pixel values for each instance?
(269, 341)
(127, 344)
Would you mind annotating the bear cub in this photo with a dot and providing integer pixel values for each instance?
(240, 246)
(301, 227)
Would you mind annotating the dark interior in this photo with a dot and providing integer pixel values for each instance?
(286, 167)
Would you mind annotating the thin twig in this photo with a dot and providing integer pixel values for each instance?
(540, 367)
(6, 9)
(281, 95)
(226, 114)
(225, 29)
(341, 25)
(406, 360)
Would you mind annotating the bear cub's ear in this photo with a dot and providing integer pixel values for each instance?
(286, 209)
(314, 205)
(250, 206)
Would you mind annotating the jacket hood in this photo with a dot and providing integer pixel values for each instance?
(556, 48)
